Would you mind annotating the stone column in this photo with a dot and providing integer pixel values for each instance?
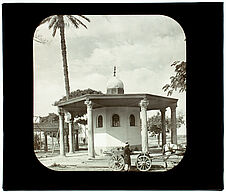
(163, 121)
(144, 131)
(91, 152)
(66, 140)
(173, 124)
(40, 142)
(52, 141)
(61, 129)
(76, 140)
(46, 142)
(71, 139)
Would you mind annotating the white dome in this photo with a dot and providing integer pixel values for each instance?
(114, 82)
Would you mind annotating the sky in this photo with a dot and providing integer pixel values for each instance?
(141, 47)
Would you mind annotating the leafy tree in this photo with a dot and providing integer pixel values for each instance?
(180, 120)
(155, 124)
(58, 22)
(179, 80)
(79, 93)
(51, 118)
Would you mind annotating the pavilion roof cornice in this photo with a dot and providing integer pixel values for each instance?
(110, 96)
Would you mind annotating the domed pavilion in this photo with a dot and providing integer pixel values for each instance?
(115, 118)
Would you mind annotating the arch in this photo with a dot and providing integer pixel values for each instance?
(100, 121)
(115, 120)
(132, 120)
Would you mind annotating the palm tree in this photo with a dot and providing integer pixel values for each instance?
(58, 22)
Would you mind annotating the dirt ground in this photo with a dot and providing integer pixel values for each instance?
(79, 160)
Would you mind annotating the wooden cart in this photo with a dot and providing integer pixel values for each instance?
(144, 160)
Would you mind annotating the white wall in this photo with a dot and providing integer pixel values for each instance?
(109, 136)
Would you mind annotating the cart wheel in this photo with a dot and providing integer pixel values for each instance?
(116, 163)
(143, 162)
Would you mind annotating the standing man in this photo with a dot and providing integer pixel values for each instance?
(127, 158)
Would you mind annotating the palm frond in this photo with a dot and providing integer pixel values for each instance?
(81, 23)
(53, 21)
(55, 27)
(76, 22)
(46, 20)
(73, 20)
(87, 19)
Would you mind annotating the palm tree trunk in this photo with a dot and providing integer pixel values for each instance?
(64, 55)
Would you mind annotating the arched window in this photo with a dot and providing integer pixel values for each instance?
(100, 121)
(132, 120)
(115, 120)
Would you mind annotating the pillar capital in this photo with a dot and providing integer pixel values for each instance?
(144, 103)
(163, 110)
(173, 107)
(60, 111)
(72, 117)
(69, 116)
(89, 104)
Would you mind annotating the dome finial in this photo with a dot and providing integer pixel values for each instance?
(115, 85)
(114, 71)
